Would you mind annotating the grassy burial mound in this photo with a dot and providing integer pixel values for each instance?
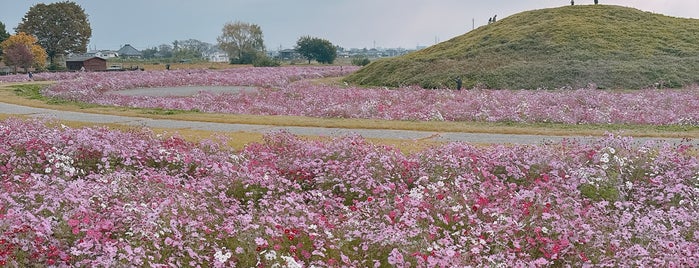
(608, 46)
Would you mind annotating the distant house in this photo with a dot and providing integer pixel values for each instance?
(215, 54)
(127, 51)
(289, 54)
(105, 54)
(89, 63)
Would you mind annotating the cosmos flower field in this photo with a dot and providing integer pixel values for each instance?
(288, 91)
(92, 196)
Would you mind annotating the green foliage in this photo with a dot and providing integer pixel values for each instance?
(246, 57)
(360, 61)
(189, 49)
(61, 27)
(265, 61)
(56, 67)
(149, 53)
(3, 32)
(318, 49)
(3, 35)
(242, 41)
(165, 51)
(605, 192)
(30, 91)
(246, 193)
(570, 46)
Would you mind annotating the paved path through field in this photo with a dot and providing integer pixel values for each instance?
(315, 131)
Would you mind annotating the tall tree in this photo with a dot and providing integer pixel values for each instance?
(165, 51)
(242, 41)
(313, 48)
(61, 27)
(149, 53)
(18, 55)
(22, 50)
(3, 35)
(191, 48)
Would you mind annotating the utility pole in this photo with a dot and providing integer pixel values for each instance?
(473, 23)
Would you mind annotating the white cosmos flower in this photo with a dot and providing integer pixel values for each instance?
(416, 193)
(220, 256)
(271, 255)
(290, 263)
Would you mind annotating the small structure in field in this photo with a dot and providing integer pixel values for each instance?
(86, 63)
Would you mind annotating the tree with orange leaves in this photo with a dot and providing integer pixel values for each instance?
(21, 50)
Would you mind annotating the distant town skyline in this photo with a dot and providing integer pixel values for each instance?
(346, 23)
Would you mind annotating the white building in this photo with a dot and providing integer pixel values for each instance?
(105, 54)
(216, 55)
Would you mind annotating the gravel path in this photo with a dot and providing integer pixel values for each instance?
(315, 131)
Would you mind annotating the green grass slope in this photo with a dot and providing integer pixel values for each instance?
(609, 46)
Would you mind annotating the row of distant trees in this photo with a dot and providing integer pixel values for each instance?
(62, 28)
(241, 51)
(180, 49)
(244, 44)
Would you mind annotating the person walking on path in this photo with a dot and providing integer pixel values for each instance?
(31, 76)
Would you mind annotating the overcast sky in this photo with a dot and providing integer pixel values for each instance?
(347, 23)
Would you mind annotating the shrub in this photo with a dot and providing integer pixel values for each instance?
(360, 61)
(56, 67)
(265, 61)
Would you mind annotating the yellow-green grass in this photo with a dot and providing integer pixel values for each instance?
(26, 94)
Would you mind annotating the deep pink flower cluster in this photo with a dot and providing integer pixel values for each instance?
(97, 197)
(281, 93)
